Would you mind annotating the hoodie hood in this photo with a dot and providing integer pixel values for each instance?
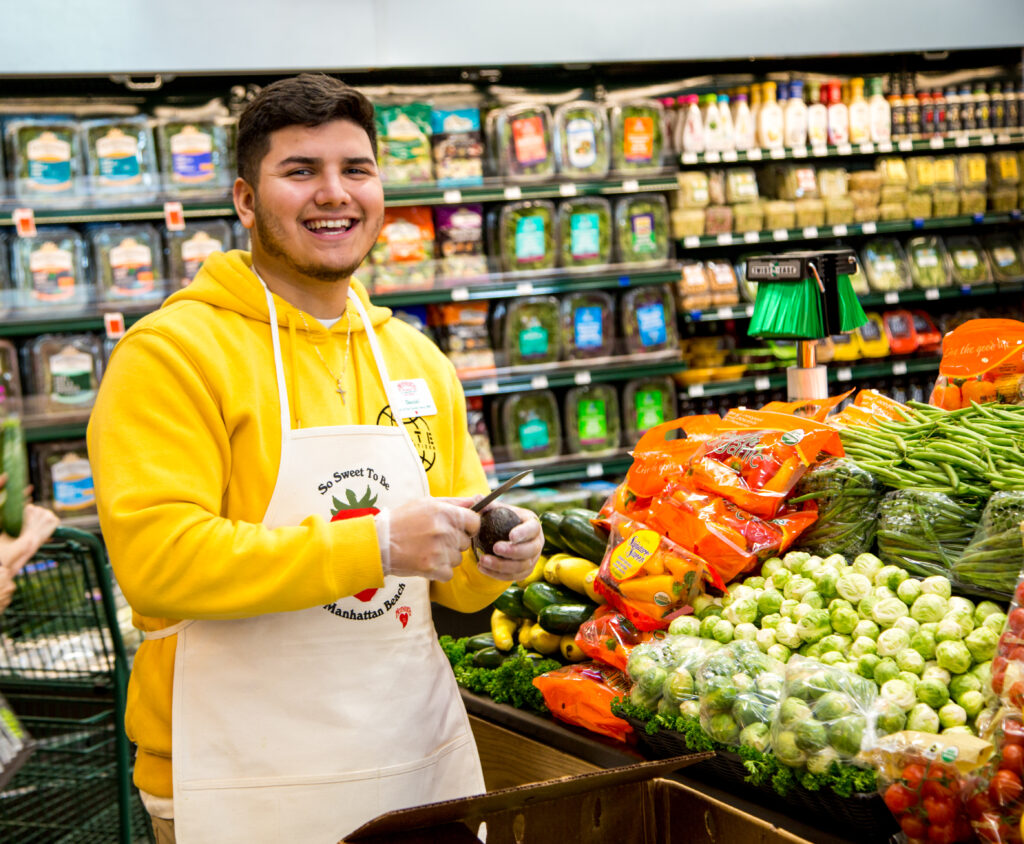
(226, 280)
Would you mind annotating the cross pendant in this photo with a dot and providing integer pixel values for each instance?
(341, 391)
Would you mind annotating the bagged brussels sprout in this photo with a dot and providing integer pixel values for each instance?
(924, 532)
(847, 497)
(825, 713)
(664, 670)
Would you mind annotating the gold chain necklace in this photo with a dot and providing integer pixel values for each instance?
(339, 386)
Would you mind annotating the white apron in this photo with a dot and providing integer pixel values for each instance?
(301, 726)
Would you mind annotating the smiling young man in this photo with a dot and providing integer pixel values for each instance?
(279, 536)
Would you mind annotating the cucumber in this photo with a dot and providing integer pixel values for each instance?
(581, 536)
(480, 642)
(538, 595)
(564, 618)
(488, 658)
(15, 464)
(551, 523)
(511, 603)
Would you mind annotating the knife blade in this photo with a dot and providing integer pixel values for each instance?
(505, 487)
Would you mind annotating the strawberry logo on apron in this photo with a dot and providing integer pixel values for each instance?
(403, 614)
(354, 508)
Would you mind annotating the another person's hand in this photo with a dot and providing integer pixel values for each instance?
(515, 559)
(38, 524)
(427, 537)
(6, 587)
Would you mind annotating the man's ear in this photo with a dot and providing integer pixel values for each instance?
(245, 202)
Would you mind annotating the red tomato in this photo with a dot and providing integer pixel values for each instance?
(944, 834)
(937, 790)
(913, 826)
(1013, 759)
(979, 805)
(1013, 731)
(1016, 654)
(912, 775)
(998, 674)
(939, 811)
(1015, 620)
(963, 829)
(1005, 788)
(1018, 593)
(899, 798)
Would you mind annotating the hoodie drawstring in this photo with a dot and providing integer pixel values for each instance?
(293, 397)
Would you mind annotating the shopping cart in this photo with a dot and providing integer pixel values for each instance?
(64, 671)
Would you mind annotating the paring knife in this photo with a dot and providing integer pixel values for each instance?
(505, 487)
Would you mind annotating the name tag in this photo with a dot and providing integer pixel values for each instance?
(413, 398)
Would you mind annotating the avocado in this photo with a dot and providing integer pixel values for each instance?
(495, 526)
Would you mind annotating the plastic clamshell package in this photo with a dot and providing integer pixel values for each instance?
(585, 226)
(523, 142)
(647, 402)
(929, 262)
(194, 154)
(592, 419)
(588, 324)
(528, 235)
(637, 140)
(50, 271)
(1005, 256)
(45, 158)
(648, 319)
(885, 265)
(120, 156)
(530, 425)
(188, 248)
(128, 263)
(66, 368)
(968, 259)
(583, 139)
(532, 331)
(641, 228)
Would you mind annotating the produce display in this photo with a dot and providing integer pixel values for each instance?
(641, 229)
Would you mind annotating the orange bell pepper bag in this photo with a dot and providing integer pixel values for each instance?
(816, 409)
(659, 457)
(609, 637)
(582, 695)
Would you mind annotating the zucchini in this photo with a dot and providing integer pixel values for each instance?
(538, 595)
(564, 618)
(488, 658)
(480, 642)
(511, 603)
(15, 464)
(550, 523)
(581, 536)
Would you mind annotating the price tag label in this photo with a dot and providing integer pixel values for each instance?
(1004, 139)
(568, 189)
(762, 382)
(937, 143)
(513, 192)
(582, 378)
(810, 231)
(460, 294)
(899, 368)
(965, 289)
(113, 324)
(489, 387)
(595, 470)
(885, 146)
(631, 185)
(695, 390)
(452, 197)
(868, 228)
(712, 157)
(844, 373)
(839, 230)
(751, 237)
(891, 298)
(539, 382)
(691, 242)
(988, 140)
(174, 216)
(819, 152)
(799, 152)
(529, 480)
(962, 141)
(754, 154)
(867, 147)
(524, 288)
(24, 222)
(730, 155)
(844, 149)
(724, 239)
(724, 313)
(931, 294)
(689, 158)
(777, 152)
(780, 234)
(905, 145)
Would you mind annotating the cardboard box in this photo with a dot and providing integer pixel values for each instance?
(632, 803)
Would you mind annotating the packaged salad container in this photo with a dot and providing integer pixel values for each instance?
(693, 189)
(832, 182)
(460, 241)
(1002, 199)
(588, 324)
(188, 248)
(1003, 169)
(920, 172)
(637, 140)
(120, 156)
(404, 132)
(65, 477)
(527, 236)
(6, 291)
(523, 142)
(718, 219)
(885, 265)
(972, 201)
(45, 158)
(10, 379)
(403, 256)
(194, 154)
(740, 185)
(945, 202)
(945, 171)
(128, 264)
(458, 145)
(647, 402)
(687, 222)
(530, 425)
(838, 210)
(592, 419)
(1005, 256)
(583, 140)
(66, 367)
(747, 217)
(969, 261)
(929, 262)
(859, 281)
(722, 282)
(531, 331)
(51, 271)
(892, 171)
(648, 316)
(585, 226)
(641, 229)
(973, 171)
(694, 289)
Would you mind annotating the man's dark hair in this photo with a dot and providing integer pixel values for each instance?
(309, 99)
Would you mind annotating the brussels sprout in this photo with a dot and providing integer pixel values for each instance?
(684, 625)
(667, 707)
(996, 621)
(923, 719)
(863, 645)
(820, 762)
(892, 641)
(832, 658)
(707, 626)
(932, 671)
(832, 705)
(719, 693)
(847, 733)
(789, 606)
(908, 624)
(937, 585)
(647, 700)
(888, 610)
(825, 580)
(948, 631)
(962, 730)
(755, 582)
(723, 631)
(983, 671)
(770, 566)
(802, 609)
(972, 702)
(836, 603)
(924, 644)
(835, 642)
(642, 660)
(678, 686)
(811, 735)
(722, 663)
(891, 718)
(886, 670)
(652, 680)
(884, 593)
(769, 602)
(891, 576)
(900, 693)
(814, 599)
(928, 606)
(797, 587)
(866, 564)
(909, 677)
(770, 684)
(794, 559)
(750, 710)
(741, 610)
(781, 578)
(785, 748)
(771, 621)
(929, 626)
(932, 692)
(765, 638)
(722, 727)
(780, 652)
(690, 708)
(814, 626)
(704, 603)
(811, 566)
(959, 604)
(745, 632)
(844, 620)
(788, 634)
(865, 628)
(866, 606)
(963, 683)
(963, 619)
(952, 715)
(853, 586)
(793, 710)
(910, 660)
(909, 590)
(982, 643)
(953, 656)
(810, 650)
(757, 735)
(836, 561)
(866, 664)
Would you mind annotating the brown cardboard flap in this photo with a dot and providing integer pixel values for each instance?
(448, 811)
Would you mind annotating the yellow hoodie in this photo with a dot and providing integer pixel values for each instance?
(185, 442)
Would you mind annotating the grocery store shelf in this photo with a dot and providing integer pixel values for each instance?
(574, 373)
(957, 142)
(567, 468)
(29, 325)
(838, 373)
(846, 230)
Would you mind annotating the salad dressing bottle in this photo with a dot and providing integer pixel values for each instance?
(755, 110)
(712, 123)
(769, 119)
(796, 116)
(728, 131)
(692, 139)
(743, 123)
(838, 115)
(817, 115)
(860, 114)
(880, 113)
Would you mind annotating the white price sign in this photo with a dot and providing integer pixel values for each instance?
(460, 294)
(691, 242)
(867, 147)
(695, 390)
(730, 155)
(844, 149)
(689, 158)
(754, 154)
(885, 146)
(539, 382)
(899, 368)
(751, 237)
(868, 228)
(712, 157)
(762, 382)
(891, 298)
(810, 231)
(777, 152)
(630, 186)
(839, 230)
(594, 470)
(937, 143)
(819, 152)
(799, 152)
(524, 288)
(452, 197)
(780, 234)
(906, 145)
(582, 378)
(513, 192)
(962, 141)
(568, 189)
(844, 373)
(724, 313)
(931, 294)
(489, 387)
(724, 239)
(987, 140)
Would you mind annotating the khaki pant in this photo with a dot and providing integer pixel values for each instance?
(163, 830)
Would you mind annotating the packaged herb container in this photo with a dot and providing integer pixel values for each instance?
(970, 264)
(45, 158)
(66, 367)
(929, 262)
(194, 154)
(50, 271)
(527, 235)
(592, 419)
(10, 380)
(65, 477)
(129, 263)
(647, 402)
(187, 249)
(585, 225)
(119, 156)
(636, 136)
(641, 228)
(582, 140)
(648, 317)
(885, 265)
(531, 332)
(403, 143)
(458, 145)
(1005, 256)
(460, 241)
(523, 142)
(530, 426)
(588, 324)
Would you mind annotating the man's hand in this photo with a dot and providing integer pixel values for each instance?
(6, 587)
(428, 536)
(515, 559)
(37, 525)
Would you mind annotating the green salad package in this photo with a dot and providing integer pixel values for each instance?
(637, 139)
(526, 236)
(592, 419)
(648, 317)
(188, 248)
(970, 263)
(585, 226)
(588, 324)
(45, 158)
(120, 156)
(50, 271)
(194, 154)
(583, 140)
(647, 402)
(522, 144)
(1005, 256)
(128, 263)
(66, 368)
(530, 329)
(885, 265)
(642, 229)
(929, 262)
(404, 142)
(529, 425)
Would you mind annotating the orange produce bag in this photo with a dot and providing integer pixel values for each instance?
(582, 695)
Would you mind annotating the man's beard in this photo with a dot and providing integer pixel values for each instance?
(269, 234)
